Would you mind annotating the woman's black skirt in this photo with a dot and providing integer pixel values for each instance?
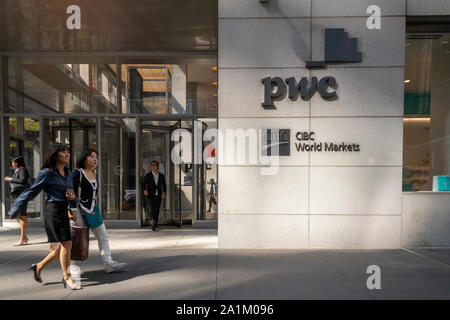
(57, 223)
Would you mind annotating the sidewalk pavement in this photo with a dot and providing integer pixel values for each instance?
(186, 264)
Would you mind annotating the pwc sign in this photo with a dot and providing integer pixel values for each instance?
(306, 89)
(339, 48)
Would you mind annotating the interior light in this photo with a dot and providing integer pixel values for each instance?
(214, 68)
(416, 119)
(444, 42)
(214, 83)
(407, 81)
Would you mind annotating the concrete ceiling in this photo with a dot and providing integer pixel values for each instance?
(110, 25)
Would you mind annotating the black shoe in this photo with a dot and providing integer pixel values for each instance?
(36, 277)
(70, 285)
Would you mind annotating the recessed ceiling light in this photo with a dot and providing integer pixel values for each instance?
(407, 81)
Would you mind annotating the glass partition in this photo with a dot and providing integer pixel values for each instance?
(78, 134)
(118, 158)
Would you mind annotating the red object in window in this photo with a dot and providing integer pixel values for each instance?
(210, 150)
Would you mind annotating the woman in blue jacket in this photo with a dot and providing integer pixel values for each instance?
(56, 181)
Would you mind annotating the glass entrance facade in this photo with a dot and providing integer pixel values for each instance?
(125, 83)
(129, 113)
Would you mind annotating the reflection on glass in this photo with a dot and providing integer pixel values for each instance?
(44, 87)
(206, 202)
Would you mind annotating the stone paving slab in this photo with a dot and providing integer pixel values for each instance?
(186, 264)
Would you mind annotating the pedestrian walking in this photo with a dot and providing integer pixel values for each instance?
(86, 189)
(155, 188)
(18, 183)
(55, 179)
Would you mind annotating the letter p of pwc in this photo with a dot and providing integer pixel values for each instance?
(271, 95)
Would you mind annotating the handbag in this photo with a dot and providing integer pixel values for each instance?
(94, 219)
(80, 243)
(17, 188)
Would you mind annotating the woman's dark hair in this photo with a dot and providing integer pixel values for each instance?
(52, 155)
(154, 161)
(19, 160)
(82, 159)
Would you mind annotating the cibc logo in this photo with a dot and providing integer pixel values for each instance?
(276, 142)
(339, 48)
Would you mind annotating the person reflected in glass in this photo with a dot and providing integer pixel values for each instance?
(155, 188)
(55, 179)
(19, 182)
(212, 194)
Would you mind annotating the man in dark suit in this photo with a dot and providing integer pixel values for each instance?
(154, 187)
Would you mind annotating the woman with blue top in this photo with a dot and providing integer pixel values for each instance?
(56, 181)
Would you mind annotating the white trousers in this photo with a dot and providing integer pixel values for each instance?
(103, 244)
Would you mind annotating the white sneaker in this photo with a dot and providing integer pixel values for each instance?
(114, 266)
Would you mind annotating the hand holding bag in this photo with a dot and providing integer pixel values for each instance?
(80, 235)
(79, 222)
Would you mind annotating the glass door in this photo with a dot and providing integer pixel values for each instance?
(155, 146)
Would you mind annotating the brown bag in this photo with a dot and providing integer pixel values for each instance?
(80, 243)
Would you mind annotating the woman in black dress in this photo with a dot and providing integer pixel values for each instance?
(19, 183)
(56, 180)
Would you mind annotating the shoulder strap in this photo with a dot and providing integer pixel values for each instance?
(79, 185)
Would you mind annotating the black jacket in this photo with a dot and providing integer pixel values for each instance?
(20, 176)
(87, 196)
(149, 185)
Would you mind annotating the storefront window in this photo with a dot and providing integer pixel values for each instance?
(426, 122)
